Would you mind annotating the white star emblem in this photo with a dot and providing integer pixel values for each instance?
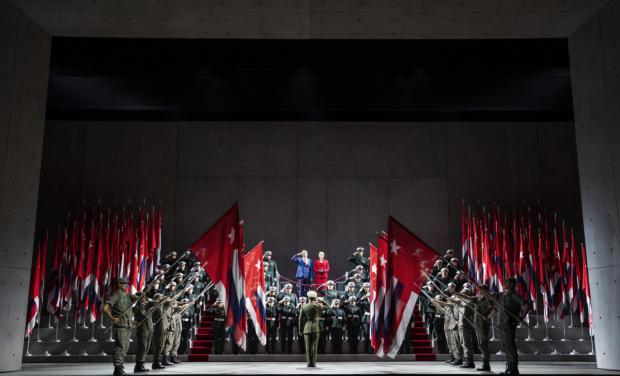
(374, 269)
(394, 247)
(383, 260)
(417, 252)
(258, 265)
(231, 236)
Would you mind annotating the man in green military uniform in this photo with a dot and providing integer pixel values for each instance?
(161, 323)
(144, 331)
(465, 308)
(309, 325)
(451, 328)
(512, 309)
(118, 309)
(484, 308)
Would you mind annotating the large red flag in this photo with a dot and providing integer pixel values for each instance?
(219, 250)
(378, 285)
(410, 263)
(255, 290)
(34, 293)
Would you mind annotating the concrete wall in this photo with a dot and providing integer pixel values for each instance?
(310, 185)
(595, 72)
(24, 62)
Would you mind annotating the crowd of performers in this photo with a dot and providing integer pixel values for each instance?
(167, 310)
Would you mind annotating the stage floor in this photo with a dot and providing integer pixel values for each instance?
(328, 368)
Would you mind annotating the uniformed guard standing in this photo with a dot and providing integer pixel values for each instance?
(364, 304)
(219, 325)
(511, 307)
(358, 259)
(484, 309)
(336, 318)
(118, 309)
(271, 312)
(144, 331)
(300, 338)
(354, 317)
(271, 270)
(160, 327)
(286, 315)
(451, 328)
(178, 327)
(324, 333)
(309, 325)
(330, 293)
(466, 330)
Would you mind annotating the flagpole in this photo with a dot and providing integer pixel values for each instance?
(564, 328)
(28, 346)
(592, 344)
(547, 338)
(529, 330)
(92, 337)
(38, 340)
(582, 333)
(49, 322)
(56, 335)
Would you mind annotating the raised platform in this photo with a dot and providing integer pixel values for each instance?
(323, 368)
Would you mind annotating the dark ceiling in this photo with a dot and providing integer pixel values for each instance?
(342, 80)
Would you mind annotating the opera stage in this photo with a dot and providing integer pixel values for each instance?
(325, 368)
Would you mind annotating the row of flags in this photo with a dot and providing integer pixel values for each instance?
(541, 254)
(89, 253)
(399, 266)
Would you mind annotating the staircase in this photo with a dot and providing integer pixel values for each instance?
(421, 344)
(202, 344)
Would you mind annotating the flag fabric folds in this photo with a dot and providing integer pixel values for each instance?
(254, 275)
(219, 249)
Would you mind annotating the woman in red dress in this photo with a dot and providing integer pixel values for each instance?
(321, 268)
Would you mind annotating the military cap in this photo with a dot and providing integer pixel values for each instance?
(444, 270)
(286, 299)
(351, 284)
(182, 262)
(330, 282)
(165, 266)
(352, 298)
(121, 280)
(466, 291)
(190, 286)
(302, 298)
(359, 248)
(454, 259)
(273, 288)
(335, 301)
(172, 253)
(359, 267)
(184, 300)
(460, 272)
(311, 294)
(267, 253)
(173, 283)
(438, 297)
(449, 250)
(271, 299)
(466, 286)
(288, 286)
(366, 284)
(265, 264)
(158, 295)
(197, 263)
(451, 284)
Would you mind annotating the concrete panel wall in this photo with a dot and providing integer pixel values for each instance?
(24, 64)
(595, 72)
(312, 185)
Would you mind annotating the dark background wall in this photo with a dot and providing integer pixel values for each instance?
(315, 185)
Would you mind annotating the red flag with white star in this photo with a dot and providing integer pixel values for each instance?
(219, 249)
(255, 291)
(378, 264)
(409, 263)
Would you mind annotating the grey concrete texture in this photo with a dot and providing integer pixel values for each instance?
(24, 65)
(304, 19)
(320, 186)
(595, 71)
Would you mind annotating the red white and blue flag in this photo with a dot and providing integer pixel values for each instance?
(219, 249)
(409, 264)
(378, 265)
(255, 291)
(34, 293)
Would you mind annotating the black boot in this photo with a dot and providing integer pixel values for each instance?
(485, 367)
(140, 367)
(452, 359)
(164, 361)
(174, 360)
(157, 365)
(118, 371)
(457, 362)
(508, 370)
(468, 364)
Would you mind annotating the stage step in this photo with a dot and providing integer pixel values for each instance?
(198, 358)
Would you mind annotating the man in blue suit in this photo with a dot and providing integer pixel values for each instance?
(304, 272)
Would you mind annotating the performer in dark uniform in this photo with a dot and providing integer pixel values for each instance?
(286, 314)
(272, 325)
(336, 318)
(271, 270)
(219, 325)
(512, 309)
(354, 316)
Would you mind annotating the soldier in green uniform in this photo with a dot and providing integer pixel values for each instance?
(512, 309)
(484, 308)
(466, 308)
(451, 327)
(300, 338)
(118, 309)
(271, 270)
(219, 325)
(309, 325)
(160, 327)
(336, 319)
(144, 331)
